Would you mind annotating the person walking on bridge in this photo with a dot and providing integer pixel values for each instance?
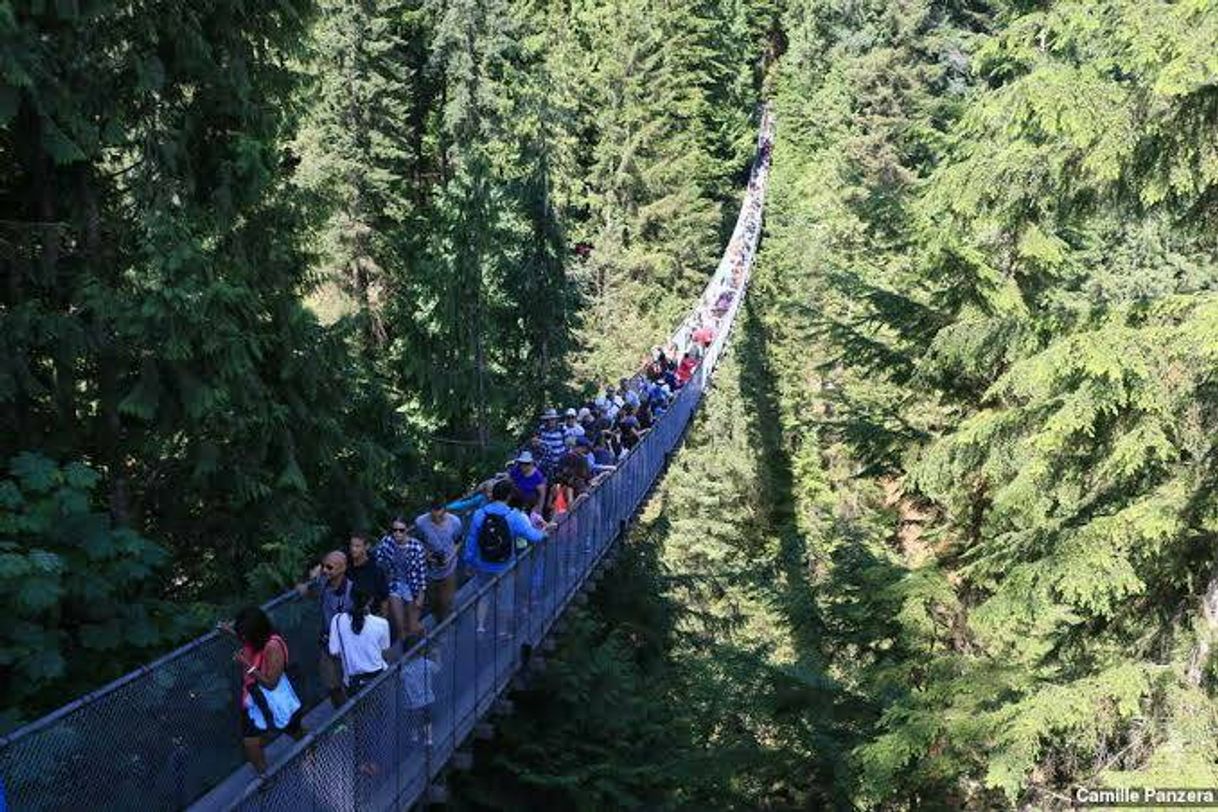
(269, 703)
(552, 438)
(330, 584)
(360, 640)
(495, 533)
(365, 574)
(404, 563)
(528, 480)
(441, 535)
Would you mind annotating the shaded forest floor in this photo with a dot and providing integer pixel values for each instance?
(715, 668)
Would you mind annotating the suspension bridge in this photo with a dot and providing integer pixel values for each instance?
(166, 736)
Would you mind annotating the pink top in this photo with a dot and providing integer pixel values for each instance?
(258, 659)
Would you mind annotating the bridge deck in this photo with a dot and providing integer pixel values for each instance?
(165, 736)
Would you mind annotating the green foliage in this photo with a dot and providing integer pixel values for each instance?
(1007, 292)
(76, 589)
(181, 183)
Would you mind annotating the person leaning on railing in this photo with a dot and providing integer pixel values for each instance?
(491, 543)
(527, 478)
(603, 457)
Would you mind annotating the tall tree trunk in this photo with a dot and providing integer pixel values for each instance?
(362, 266)
(110, 428)
(480, 351)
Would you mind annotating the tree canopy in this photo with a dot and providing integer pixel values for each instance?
(944, 534)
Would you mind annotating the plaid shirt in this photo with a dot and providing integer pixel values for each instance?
(403, 563)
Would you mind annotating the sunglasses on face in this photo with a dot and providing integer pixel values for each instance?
(399, 529)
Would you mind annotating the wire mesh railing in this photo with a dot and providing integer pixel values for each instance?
(164, 735)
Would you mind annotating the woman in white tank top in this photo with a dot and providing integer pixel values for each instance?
(360, 640)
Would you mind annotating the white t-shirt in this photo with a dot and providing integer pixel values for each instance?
(360, 653)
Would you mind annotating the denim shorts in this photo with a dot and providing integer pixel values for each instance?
(401, 589)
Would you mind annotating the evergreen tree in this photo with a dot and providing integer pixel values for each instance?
(1003, 267)
(152, 319)
(359, 154)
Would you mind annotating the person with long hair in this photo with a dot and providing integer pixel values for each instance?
(268, 701)
(360, 640)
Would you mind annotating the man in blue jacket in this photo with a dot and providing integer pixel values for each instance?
(497, 534)
(480, 552)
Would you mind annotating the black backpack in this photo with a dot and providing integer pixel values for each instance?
(494, 539)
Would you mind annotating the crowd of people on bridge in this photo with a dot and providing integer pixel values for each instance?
(372, 595)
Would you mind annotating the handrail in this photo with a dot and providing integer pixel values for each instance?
(358, 758)
(44, 765)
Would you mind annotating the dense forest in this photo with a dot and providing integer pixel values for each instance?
(275, 271)
(944, 534)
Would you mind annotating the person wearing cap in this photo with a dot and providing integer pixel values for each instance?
(571, 426)
(540, 452)
(528, 479)
(586, 418)
(551, 435)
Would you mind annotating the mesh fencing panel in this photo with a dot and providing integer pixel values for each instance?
(164, 735)
(161, 736)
